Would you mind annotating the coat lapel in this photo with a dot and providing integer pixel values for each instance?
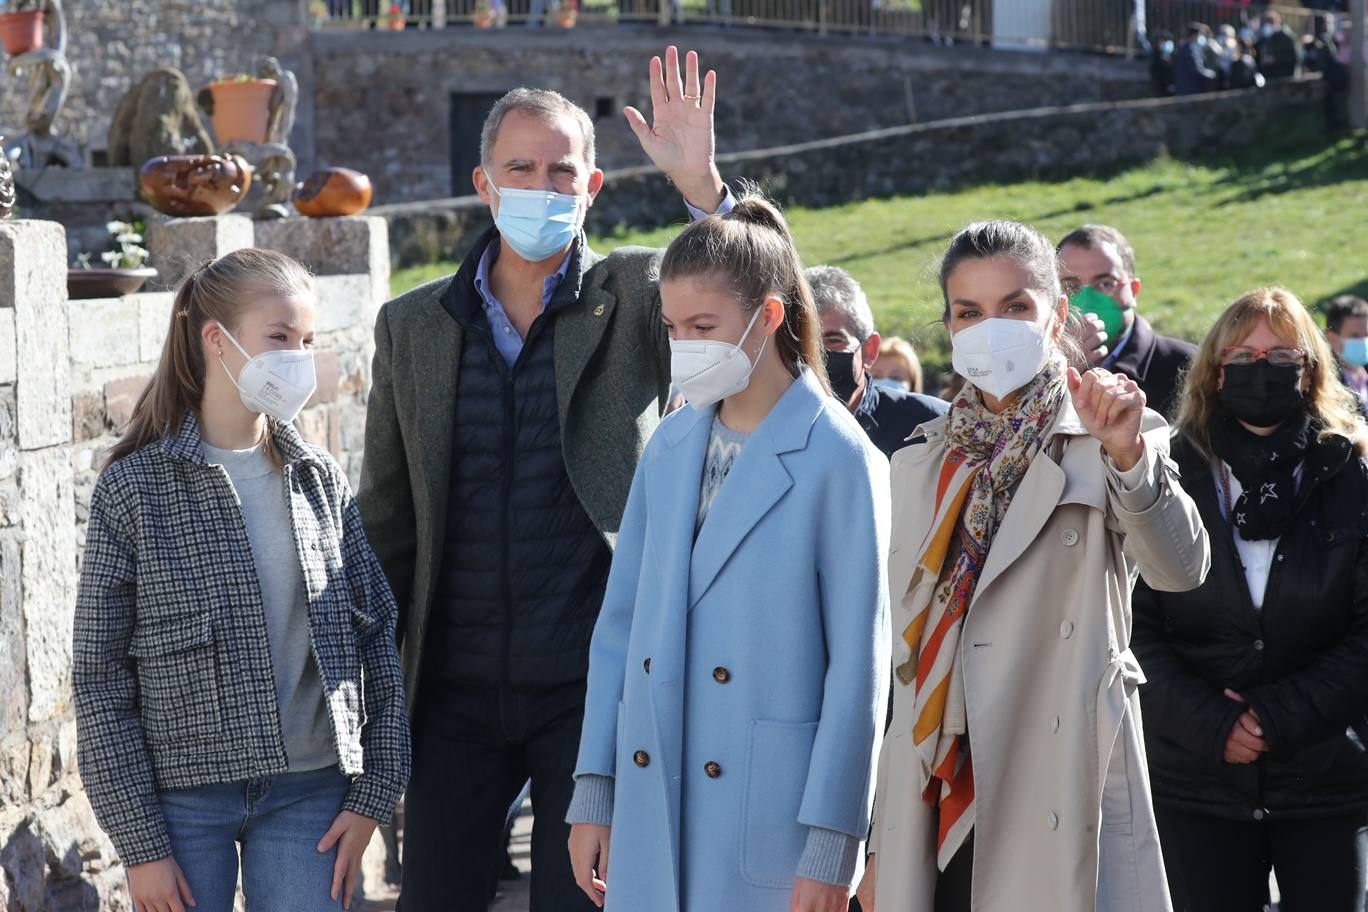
(1034, 502)
(580, 327)
(756, 482)
(435, 362)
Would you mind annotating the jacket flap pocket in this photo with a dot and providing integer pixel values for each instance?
(168, 636)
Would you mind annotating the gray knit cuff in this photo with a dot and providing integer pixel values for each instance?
(830, 857)
(593, 801)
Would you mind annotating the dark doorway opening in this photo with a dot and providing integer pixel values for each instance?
(468, 112)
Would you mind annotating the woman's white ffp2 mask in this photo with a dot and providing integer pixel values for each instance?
(275, 383)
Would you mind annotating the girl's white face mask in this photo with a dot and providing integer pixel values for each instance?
(275, 383)
(1000, 355)
(707, 372)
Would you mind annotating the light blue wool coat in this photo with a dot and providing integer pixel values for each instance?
(737, 684)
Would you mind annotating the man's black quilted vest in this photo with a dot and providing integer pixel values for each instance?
(523, 567)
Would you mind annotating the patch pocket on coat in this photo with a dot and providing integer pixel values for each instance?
(178, 680)
(772, 839)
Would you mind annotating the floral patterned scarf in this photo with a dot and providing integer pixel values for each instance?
(986, 457)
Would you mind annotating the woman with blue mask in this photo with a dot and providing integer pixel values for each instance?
(739, 670)
(239, 702)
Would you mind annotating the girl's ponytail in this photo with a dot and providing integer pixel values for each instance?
(751, 251)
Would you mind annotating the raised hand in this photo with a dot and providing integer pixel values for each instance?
(1111, 407)
(680, 139)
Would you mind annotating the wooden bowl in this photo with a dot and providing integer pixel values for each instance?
(191, 185)
(106, 283)
(333, 192)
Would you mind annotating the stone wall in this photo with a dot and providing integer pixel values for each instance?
(383, 101)
(909, 160)
(111, 44)
(70, 372)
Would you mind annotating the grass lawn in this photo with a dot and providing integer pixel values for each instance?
(1294, 212)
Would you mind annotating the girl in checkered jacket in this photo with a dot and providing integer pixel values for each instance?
(238, 690)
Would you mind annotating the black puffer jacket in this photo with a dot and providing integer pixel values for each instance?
(1301, 661)
(523, 566)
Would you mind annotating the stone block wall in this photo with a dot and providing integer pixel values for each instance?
(774, 88)
(1043, 143)
(70, 373)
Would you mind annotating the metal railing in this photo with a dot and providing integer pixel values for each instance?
(1107, 26)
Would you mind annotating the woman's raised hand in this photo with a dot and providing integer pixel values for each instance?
(589, 848)
(1111, 406)
(679, 139)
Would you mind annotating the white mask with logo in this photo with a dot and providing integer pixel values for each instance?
(707, 372)
(275, 383)
(1000, 355)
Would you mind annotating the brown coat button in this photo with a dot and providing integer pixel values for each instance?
(713, 769)
(641, 759)
(647, 665)
(721, 675)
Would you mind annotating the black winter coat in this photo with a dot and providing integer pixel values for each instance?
(1301, 661)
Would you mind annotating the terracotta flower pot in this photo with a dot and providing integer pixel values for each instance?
(566, 18)
(484, 18)
(189, 185)
(241, 110)
(106, 283)
(333, 192)
(21, 32)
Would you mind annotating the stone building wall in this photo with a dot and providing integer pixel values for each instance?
(383, 101)
(1044, 143)
(111, 44)
(70, 372)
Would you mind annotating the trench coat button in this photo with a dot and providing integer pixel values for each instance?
(598, 311)
(1054, 821)
(1069, 537)
(712, 769)
(1066, 629)
(1260, 813)
(1054, 726)
(647, 665)
(721, 675)
(641, 759)
(1258, 645)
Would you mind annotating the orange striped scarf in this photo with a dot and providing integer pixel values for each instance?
(986, 457)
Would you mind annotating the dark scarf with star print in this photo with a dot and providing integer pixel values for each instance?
(1266, 469)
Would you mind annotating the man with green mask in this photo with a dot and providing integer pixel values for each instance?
(1098, 267)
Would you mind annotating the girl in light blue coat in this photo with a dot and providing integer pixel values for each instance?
(739, 669)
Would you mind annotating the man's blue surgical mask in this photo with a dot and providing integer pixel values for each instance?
(537, 224)
(1356, 352)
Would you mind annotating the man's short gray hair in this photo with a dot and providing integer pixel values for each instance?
(542, 103)
(835, 291)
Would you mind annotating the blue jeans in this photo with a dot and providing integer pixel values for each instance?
(277, 821)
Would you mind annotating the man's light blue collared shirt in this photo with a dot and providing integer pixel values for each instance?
(506, 337)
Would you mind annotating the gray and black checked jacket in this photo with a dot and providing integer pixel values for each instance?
(172, 669)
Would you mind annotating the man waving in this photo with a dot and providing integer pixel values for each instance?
(510, 403)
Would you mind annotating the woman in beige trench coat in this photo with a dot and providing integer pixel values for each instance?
(1020, 782)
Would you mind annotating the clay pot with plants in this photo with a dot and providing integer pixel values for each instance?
(127, 267)
(21, 27)
(567, 16)
(484, 16)
(240, 107)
